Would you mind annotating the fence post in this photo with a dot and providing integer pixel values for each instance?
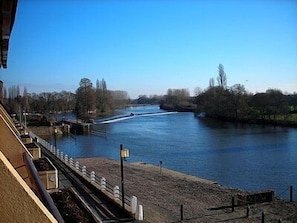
(61, 156)
(77, 166)
(291, 193)
(84, 170)
(232, 205)
(103, 183)
(133, 204)
(263, 217)
(139, 214)
(181, 212)
(247, 211)
(93, 176)
(116, 193)
(66, 158)
(71, 162)
(57, 152)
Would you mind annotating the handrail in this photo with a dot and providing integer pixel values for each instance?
(47, 200)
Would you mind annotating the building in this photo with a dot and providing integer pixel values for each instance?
(24, 197)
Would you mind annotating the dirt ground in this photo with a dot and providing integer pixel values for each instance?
(163, 192)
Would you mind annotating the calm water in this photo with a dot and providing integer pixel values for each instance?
(243, 156)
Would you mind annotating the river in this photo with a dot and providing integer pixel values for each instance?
(250, 157)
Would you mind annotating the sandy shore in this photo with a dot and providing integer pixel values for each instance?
(163, 192)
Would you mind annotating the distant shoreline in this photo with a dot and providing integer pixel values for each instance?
(281, 123)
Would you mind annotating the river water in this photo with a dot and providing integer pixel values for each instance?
(250, 157)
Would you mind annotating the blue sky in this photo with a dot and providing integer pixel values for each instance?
(147, 47)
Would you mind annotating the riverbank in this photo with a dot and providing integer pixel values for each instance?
(282, 120)
(162, 192)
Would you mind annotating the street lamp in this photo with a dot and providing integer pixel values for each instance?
(25, 114)
(124, 153)
(55, 136)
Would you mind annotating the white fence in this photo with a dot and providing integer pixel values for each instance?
(111, 191)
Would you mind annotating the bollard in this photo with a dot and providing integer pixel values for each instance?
(291, 193)
(133, 204)
(61, 156)
(139, 214)
(263, 217)
(232, 204)
(103, 183)
(66, 158)
(84, 170)
(57, 152)
(71, 162)
(116, 193)
(93, 176)
(181, 212)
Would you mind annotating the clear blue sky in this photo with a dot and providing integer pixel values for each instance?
(147, 47)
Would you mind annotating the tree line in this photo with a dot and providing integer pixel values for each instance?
(220, 101)
(234, 103)
(87, 102)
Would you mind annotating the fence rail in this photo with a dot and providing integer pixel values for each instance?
(130, 202)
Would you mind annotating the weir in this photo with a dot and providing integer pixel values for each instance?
(132, 115)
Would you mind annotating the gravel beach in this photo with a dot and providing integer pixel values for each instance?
(163, 192)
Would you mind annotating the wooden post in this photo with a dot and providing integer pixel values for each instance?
(122, 177)
(181, 212)
(232, 205)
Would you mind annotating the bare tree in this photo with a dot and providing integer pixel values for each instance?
(85, 99)
(197, 91)
(222, 78)
(237, 100)
(211, 82)
(26, 104)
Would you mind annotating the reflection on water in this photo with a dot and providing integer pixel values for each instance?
(244, 156)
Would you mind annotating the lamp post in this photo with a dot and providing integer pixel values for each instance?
(124, 153)
(55, 136)
(25, 114)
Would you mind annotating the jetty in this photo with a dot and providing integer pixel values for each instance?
(76, 126)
